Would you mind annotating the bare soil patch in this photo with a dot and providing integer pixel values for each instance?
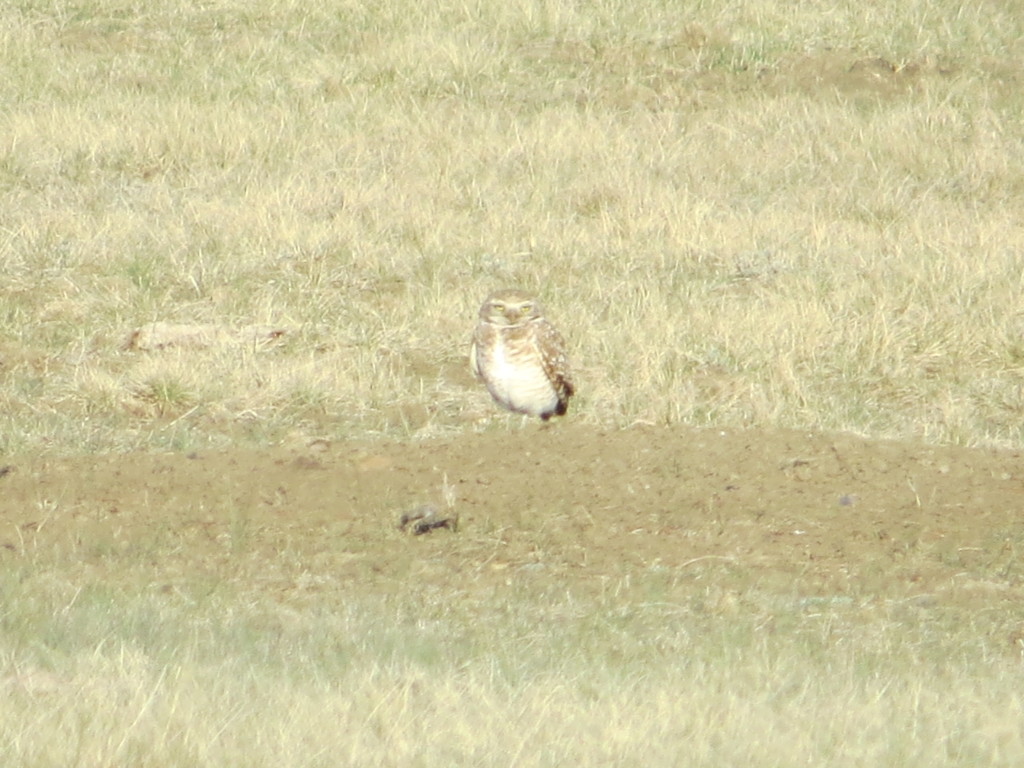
(809, 515)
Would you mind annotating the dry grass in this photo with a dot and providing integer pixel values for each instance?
(747, 213)
(528, 675)
(740, 215)
(163, 626)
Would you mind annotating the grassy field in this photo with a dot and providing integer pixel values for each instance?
(236, 609)
(512, 677)
(742, 215)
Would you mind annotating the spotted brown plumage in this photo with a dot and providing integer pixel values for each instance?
(520, 356)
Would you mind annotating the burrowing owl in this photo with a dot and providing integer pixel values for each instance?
(520, 356)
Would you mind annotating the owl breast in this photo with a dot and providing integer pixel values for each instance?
(516, 378)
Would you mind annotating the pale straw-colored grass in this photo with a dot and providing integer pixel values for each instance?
(209, 675)
(734, 220)
(757, 213)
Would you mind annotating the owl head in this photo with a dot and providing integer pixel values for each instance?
(510, 306)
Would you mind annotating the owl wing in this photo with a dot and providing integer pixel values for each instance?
(479, 341)
(554, 360)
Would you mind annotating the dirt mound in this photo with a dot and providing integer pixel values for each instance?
(809, 514)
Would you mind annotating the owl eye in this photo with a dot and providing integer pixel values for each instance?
(527, 307)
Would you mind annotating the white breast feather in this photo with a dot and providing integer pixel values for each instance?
(523, 388)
